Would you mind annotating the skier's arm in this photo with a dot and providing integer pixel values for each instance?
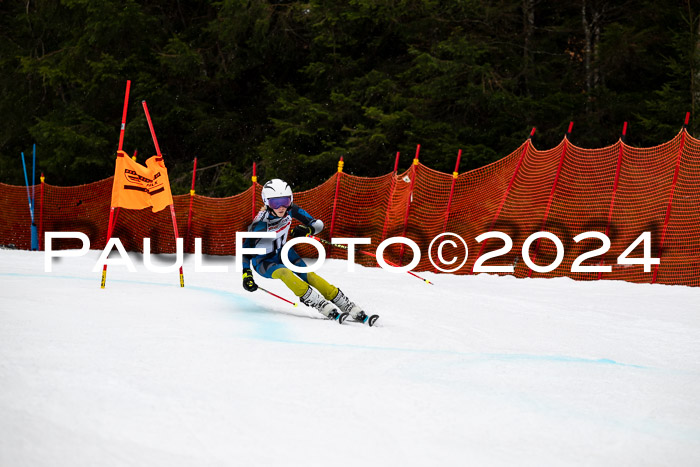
(252, 242)
(308, 226)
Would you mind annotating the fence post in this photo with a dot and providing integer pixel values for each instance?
(391, 198)
(254, 180)
(614, 193)
(684, 131)
(551, 193)
(528, 142)
(338, 174)
(189, 213)
(455, 174)
(410, 201)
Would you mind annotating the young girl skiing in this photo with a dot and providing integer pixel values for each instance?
(312, 289)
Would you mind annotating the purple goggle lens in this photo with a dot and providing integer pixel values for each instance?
(281, 202)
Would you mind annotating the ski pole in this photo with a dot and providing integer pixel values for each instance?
(368, 254)
(275, 295)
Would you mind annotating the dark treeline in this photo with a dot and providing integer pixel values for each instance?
(295, 85)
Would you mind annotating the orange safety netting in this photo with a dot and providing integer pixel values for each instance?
(567, 190)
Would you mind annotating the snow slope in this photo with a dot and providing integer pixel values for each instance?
(475, 370)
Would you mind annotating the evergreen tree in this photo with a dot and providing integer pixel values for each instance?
(295, 85)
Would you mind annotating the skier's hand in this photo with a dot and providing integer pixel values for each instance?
(301, 230)
(248, 282)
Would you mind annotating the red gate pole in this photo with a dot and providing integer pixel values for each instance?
(684, 131)
(189, 213)
(41, 211)
(116, 215)
(118, 210)
(614, 193)
(338, 174)
(410, 201)
(396, 162)
(126, 105)
(172, 206)
(506, 193)
(121, 145)
(554, 188)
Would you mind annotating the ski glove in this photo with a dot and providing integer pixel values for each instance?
(248, 282)
(301, 230)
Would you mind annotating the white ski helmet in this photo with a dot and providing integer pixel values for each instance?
(277, 193)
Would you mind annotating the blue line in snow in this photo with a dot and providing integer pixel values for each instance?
(262, 329)
(274, 332)
(481, 356)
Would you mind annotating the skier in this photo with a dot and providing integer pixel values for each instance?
(312, 289)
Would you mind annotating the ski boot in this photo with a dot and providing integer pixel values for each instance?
(356, 313)
(315, 300)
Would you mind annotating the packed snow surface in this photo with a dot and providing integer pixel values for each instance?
(474, 370)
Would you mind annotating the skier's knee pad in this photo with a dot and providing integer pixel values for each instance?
(329, 291)
(291, 280)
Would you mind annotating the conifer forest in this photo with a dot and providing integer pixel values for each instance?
(295, 85)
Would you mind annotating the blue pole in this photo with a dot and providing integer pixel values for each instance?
(35, 232)
(26, 181)
(29, 198)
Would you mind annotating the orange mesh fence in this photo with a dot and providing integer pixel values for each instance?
(15, 217)
(216, 220)
(479, 208)
(82, 208)
(619, 190)
(525, 205)
(399, 194)
(318, 202)
(680, 256)
(428, 204)
(580, 203)
(352, 219)
(640, 205)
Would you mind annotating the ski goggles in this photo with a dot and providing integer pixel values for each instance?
(281, 202)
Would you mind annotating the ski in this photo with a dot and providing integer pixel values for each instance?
(366, 319)
(339, 317)
(362, 318)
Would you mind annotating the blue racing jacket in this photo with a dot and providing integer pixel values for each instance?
(267, 221)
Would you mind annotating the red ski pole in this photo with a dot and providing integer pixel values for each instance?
(275, 295)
